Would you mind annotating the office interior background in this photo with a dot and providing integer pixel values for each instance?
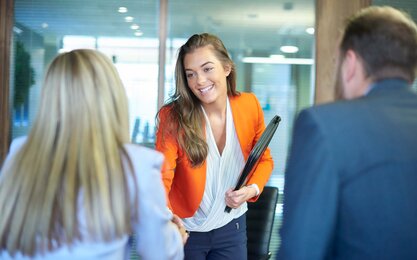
(272, 43)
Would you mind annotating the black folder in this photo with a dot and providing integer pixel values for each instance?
(256, 153)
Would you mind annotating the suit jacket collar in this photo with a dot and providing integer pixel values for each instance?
(391, 84)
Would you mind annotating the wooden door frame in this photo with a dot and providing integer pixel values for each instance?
(6, 27)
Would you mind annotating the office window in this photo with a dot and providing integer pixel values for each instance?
(126, 31)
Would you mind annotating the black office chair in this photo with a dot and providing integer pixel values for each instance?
(259, 222)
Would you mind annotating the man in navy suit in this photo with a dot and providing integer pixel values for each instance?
(351, 182)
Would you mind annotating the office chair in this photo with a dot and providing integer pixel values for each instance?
(259, 222)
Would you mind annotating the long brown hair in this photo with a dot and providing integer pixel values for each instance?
(186, 116)
(75, 147)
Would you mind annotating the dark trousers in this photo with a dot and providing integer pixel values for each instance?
(227, 242)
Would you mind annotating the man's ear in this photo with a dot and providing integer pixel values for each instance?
(349, 66)
(355, 82)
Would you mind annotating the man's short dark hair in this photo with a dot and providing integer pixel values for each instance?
(385, 39)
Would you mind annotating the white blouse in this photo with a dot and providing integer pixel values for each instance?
(223, 172)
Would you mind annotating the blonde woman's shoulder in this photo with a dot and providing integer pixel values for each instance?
(15, 146)
(17, 143)
(144, 155)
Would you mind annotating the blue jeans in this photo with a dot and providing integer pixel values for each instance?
(227, 242)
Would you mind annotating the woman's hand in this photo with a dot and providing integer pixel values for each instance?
(235, 198)
(177, 221)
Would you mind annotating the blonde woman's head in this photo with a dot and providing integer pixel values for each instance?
(83, 92)
(72, 160)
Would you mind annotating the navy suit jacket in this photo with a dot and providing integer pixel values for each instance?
(351, 181)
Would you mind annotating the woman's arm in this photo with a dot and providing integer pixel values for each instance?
(265, 166)
(157, 236)
(167, 144)
(258, 179)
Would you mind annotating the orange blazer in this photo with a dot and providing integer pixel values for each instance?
(185, 185)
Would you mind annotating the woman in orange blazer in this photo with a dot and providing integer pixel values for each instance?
(206, 133)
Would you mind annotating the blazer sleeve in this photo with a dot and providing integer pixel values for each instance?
(311, 193)
(166, 143)
(157, 237)
(265, 166)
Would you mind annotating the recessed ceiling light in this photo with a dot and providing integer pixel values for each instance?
(138, 33)
(289, 49)
(44, 25)
(310, 30)
(122, 9)
(128, 19)
(134, 27)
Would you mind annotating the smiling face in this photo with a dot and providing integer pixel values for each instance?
(206, 75)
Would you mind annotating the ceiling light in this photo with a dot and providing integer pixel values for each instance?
(289, 49)
(128, 19)
(310, 30)
(138, 33)
(122, 9)
(44, 25)
(134, 27)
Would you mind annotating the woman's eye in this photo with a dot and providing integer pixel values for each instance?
(189, 75)
(208, 69)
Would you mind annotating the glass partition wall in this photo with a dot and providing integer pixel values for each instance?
(271, 43)
(127, 32)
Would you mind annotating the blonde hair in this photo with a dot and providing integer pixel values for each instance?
(186, 116)
(74, 148)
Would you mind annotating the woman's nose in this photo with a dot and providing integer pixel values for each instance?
(201, 79)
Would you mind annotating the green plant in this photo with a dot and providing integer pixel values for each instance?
(23, 75)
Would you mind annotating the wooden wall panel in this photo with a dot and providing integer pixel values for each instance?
(6, 25)
(330, 19)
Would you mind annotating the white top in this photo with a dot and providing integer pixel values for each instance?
(223, 172)
(157, 237)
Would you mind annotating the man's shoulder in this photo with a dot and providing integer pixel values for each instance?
(335, 118)
(341, 107)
